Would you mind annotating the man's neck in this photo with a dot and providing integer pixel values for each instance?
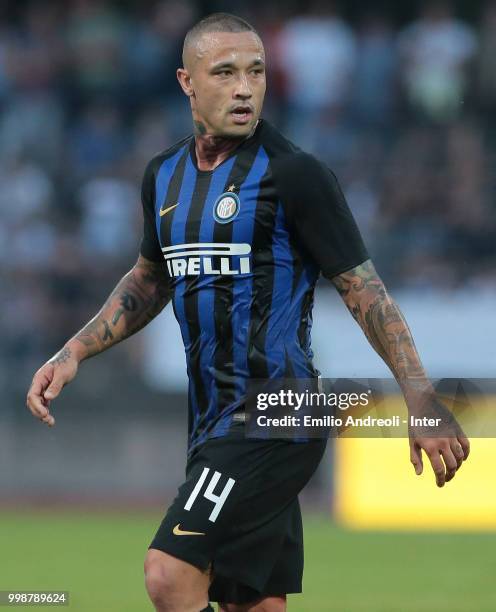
(213, 150)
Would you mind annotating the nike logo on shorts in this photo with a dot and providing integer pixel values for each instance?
(180, 532)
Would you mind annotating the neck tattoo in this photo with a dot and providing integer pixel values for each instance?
(213, 150)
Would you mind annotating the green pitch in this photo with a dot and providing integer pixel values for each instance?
(99, 559)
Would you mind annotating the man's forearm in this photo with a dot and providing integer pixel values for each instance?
(387, 331)
(138, 297)
(384, 325)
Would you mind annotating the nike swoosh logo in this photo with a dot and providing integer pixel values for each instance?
(178, 531)
(164, 211)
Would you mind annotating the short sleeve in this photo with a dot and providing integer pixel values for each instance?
(317, 214)
(150, 246)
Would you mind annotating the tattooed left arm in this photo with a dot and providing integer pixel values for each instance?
(381, 320)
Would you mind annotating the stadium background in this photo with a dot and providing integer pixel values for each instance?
(399, 100)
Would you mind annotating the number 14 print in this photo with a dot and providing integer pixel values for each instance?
(209, 494)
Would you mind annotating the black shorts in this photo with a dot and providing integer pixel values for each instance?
(238, 511)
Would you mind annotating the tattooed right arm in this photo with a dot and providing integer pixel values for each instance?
(137, 299)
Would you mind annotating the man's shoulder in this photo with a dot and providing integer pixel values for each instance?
(158, 159)
(275, 143)
(297, 165)
(285, 155)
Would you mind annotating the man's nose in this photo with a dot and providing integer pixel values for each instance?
(242, 89)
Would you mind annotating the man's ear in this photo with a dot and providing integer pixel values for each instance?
(184, 79)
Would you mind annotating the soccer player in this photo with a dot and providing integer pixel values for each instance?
(238, 225)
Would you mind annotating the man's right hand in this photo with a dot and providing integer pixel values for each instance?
(48, 383)
(138, 298)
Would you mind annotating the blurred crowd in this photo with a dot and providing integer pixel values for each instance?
(404, 114)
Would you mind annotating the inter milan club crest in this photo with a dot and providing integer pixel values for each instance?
(226, 207)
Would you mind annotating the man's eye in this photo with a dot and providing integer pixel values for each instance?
(224, 72)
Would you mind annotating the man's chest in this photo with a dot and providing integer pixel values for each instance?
(220, 225)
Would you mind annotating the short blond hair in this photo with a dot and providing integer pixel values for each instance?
(216, 22)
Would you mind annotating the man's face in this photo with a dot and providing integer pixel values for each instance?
(224, 76)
